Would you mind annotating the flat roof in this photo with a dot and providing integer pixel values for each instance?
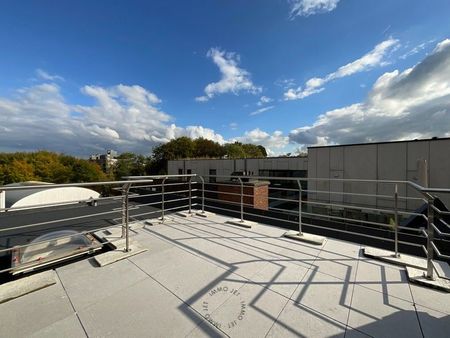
(203, 278)
(383, 142)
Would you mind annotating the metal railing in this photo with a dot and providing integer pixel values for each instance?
(120, 203)
(314, 205)
(370, 209)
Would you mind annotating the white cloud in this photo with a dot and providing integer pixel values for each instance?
(263, 100)
(374, 58)
(43, 75)
(233, 125)
(310, 7)
(126, 118)
(285, 83)
(261, 110)
(414, 103)
(417, 49)
(274, 143)
(234, 79)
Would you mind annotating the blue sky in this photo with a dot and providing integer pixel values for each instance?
(81, 77)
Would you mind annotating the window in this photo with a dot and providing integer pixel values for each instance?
(189, 171)
(180, 171)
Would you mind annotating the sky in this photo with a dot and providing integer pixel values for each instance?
(80, 77)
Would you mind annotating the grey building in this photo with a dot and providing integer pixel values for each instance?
(426, 162)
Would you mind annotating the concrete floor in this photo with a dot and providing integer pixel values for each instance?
(203, 278)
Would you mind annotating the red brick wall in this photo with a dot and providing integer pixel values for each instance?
(258, 194)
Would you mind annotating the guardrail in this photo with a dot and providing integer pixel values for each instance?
(310, 205)
(365, 208)
(122, 201)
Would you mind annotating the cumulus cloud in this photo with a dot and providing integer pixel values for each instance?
(374, 58)
(126, 118)
(43, 75)
(311, 7)
(233, 80)
(414, 103)
(261, 110)
(274, 143)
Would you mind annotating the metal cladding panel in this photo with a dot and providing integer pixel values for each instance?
(337, 158)
(281, 164)
(240, 165)
(253, 165)
(294, 164)
(173, 166)
(360, 162)
(312, 171)
(417, 151)
(392, 160)
(267, 164)
(323, 171)
(439, 165)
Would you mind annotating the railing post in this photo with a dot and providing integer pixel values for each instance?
(190, 195)
(299, 207)
(126, 189)
(430, 238)
(203, 194)
(124, 208)
(396, 254)
(162, 199)
(242, 199)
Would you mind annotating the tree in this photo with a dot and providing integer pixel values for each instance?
(129, 164)
(18, 171)
(207, 148)
(234, 150)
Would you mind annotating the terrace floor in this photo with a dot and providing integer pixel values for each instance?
(201, 277)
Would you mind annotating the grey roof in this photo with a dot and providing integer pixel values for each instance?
(204, 278)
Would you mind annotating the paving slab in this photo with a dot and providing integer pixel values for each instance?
(336, 264)
(434, 324)
(26, 285)
(194, 288)
(325, 294)
(380, 277)
(281, 277)
(33, 312)
(419, 276)
(87, 284)
(297, 320)
(380, 315)
(145, 309)
(249, 312)
(431, 298)
(68, 327)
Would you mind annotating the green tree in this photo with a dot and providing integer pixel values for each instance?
(234, 150)
(207, 148)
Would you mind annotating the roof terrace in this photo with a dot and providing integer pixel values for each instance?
(202, 276)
